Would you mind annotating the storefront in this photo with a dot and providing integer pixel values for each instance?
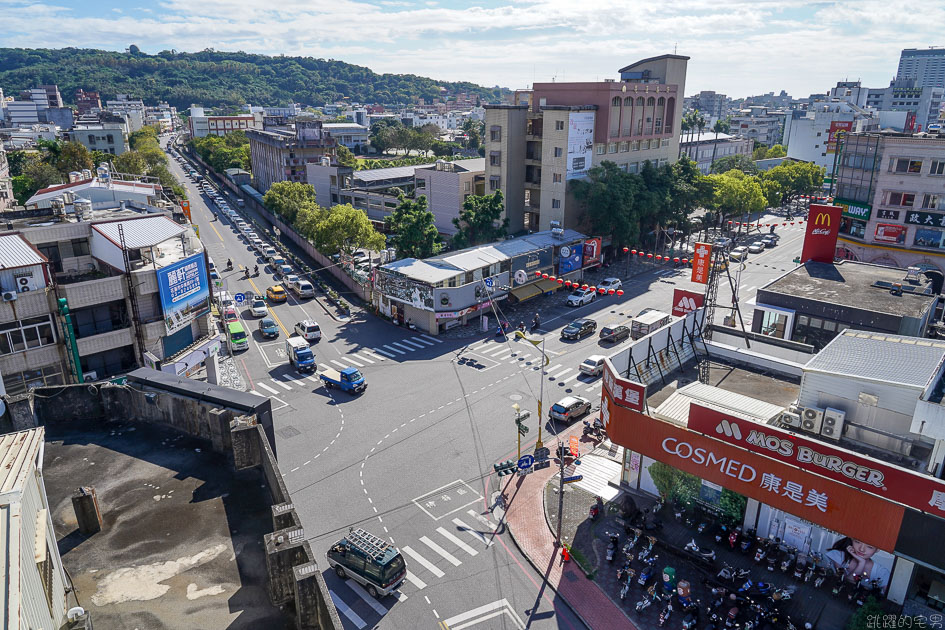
(854, 217)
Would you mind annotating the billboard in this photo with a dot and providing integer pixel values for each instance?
(593, 251)
(855, 209)
(185, 291)
(888, 233)
(185, 207)
(624, 392)
(820, 238)
(686, 301)
(838, 129)
(569, 258)
(701, 262)
(580, 144)
(861, 516)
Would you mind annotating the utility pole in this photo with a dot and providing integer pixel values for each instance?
(560, 492)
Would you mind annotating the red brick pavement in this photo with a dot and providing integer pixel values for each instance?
(525, 517)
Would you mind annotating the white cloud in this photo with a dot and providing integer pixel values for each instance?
(736, 47)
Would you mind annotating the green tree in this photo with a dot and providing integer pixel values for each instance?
(415, 227)
(23, 188)
(474, 131)
(130, 162)
(43, 174)
(740, 162)
(345, 229)
(144, 137)
(19, 160)
(480, 220)
(776, 151)
(285, 199)
(759, 152)
(609, 197)
(736, 193)
(345, 157)
(689, 189)
(795, 178)
(720, 126)
(74, 157)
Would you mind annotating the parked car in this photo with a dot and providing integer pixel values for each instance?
(579, 328)
(308, 330)
(580, 297)
(592, 365)
(259, 308)
(569, 408)
(614, 334)
(284, 270)
(230, 315)
(756, 248)
(610, 283)
(268, 328)
(739, 253)
(276, 293)
(269, 252)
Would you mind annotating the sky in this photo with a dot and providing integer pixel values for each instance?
(737, 48)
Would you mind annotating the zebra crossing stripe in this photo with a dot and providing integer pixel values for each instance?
(314, 379)
(495, 350)
(255, 393)
(345, 610)
(372, 355)
(339, 364)
(394, 349)
(553, 368)
(262, 385)
(362, 357)
(423, 562)
(502, 355)
(432, 338)
(422, 340)
(363, 594)
(563, 372)
(482, 519)
(413, 579)
(570, 378)
(443, 552)
(413, 345)
(281, 384)
(351, 359)
(472, 532)
(386, 354)
(456, 541)
(289, 377)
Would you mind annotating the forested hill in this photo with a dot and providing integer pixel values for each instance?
(213, 78)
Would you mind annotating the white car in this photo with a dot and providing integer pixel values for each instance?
(258, 308)
(291, 280)
(581, 297)
(308, 330)
(592, 365)
(285, 270)
(756, 248)
(610, 283)
(739, 253)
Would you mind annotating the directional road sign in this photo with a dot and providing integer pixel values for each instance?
(525, 461)
(239, 298)
(573, 479)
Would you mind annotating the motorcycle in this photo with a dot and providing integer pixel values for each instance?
(647, 548)
(823, 572)
(648, 598)
(521, 327)
(782, 594)
(596, 430)
(595, 509)
(693, 548)
(788, 559)
(501, 329)
(632, 542)
(666, 613)
(255, 270)
(626, 584)
(733, 538)
(701, 527)
(536, 323)
(691, 618)
(800, 566)
(762, 552)
(612, 546)
(729, 572)
(229, 265)
(647, 571)
(747, 539)
(731, 618)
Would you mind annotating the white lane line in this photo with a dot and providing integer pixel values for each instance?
(553, 368)
(281, 384)
(372, 355)
(290, 378)
(413, 344)
(254, 392)
(413, 579)
(492, 350)
(363, 594)
(482, 519)
(453, 622)
(499, 356)
(423, 562)
(386, 354)
(431, 338)
(443, 552)
(456, 541)
(400, 596)
(314, 379)
(345, 610)
(563, 372)
(392, 349)
(362, 357)
(421, 340)
(570, 378)
(262, 385)
(351, 359)
(472, 532)
(341, 365)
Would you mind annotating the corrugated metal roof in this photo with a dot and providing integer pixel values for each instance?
(421, 271)
(676, 407)
(143, 232)
(18, 451)
(15, 252)
(880, 357)
(79, 188)
(378, 174)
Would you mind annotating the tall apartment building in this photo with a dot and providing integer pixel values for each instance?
(87, 102)
(45, 95)
(709, 103)
(133, 109)
(161, 115)
(203, 124)
(925, 65)
(923, 103)
(811, 136)
(280, 156)
(554, 135)
(892, 189)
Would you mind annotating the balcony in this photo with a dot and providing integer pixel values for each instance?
(27, 304)
(93, 291)
(104, 341)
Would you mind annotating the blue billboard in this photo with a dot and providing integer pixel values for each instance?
(569, 258)
(185, 292)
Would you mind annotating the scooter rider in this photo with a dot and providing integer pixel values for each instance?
(255, 270)
(536, 322)
(229, 263)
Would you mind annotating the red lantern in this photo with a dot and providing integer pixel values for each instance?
(641, 253)
(676, 259)
(729, 222)
(538, 273)
(792, 222)
(584, 286)
(602, 291)
(649, 255)
(611, 291)
(784, 224)
(685, 261)
(567, 283)
(626, 249)
(552, 278)
(594, 289)
(633, 252)
(560, 281)
(619, 291)
(658, 257)
(544, 276)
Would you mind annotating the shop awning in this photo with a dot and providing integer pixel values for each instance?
(525, 292)
(547, 285)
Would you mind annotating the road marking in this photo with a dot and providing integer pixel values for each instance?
(499, 356)
(341, 365)
(403, 347)
(413, 344)
(393, 350)
(345, 610)
(362, 357)
(422, 340)
(289, 377)
(749, 289)
(426, 564)
(456, 541)
(372, 355)
(570, 378)
(363, 594)
(592, 388)
(266, 387)
(255, 393)
(281, 384)
(483, 613)
(413, 579)
(553, 368)
(443, 552)
(482, 519)
(314, 379)
(472, 532)
(351, 359)
(491, 350)
(431, 338)
(386, 354)
(400, 596)
(563, 372)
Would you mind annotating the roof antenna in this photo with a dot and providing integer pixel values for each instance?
(674, 48)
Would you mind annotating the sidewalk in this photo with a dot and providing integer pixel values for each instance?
(525, 517)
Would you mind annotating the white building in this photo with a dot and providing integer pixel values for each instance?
(23, 113)
(925, 65)
(705, 147)
(759, 123)
(351, 135)
(811, 136)
(133, 109)
(203, 124)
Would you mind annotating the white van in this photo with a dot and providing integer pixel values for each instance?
(303, 288)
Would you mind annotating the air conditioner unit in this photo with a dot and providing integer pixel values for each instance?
(833, 423)
(9, 296)
(811, 419)
(789, 419)
(90, 376)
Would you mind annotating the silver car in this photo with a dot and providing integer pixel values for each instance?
(569, 408)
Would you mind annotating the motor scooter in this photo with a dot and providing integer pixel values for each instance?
(691, 618)
(729, 572)
(706, 554)
(595, 509)
(612, 546)
(647, 571)
(733, 537)
(649, 598)
(647, 548)
(626, 584)
(596, 429)
(666, 613)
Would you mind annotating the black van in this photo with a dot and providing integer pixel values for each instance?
(369, 560)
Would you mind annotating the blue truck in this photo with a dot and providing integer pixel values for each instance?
(300, 354)
(349, 380)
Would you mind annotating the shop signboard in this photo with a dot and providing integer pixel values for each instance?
(580, 144)
(927, 238)
(625, 393)
(530, 263)
(701, 262)
(927, 219)
(820, 238)
(887, 233)
(834, 506)
(185, 207)
(835, 134)
(592, 252)
(685, 302)
(855, 209)
(184, 288)
(569, 258)
(887, 215)
(922, 492)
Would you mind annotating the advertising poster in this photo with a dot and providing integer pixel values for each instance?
(185, 206)
(685, 302)
(185, 291)
(927, 238)
(569, 258)
(701, 261)
(820, 239)
(580, 144)
(886, 233)
(592, 252)
(837, 130)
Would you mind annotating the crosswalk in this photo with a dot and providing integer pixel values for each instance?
(429, 560)
(557, 373)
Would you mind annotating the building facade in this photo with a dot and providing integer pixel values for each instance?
(202, 124)
(891, 188)
(709, 103)
(280, 156)
(925, 65)
(109, 138)
(759, 123)
(7, 200)
(704, 148)
(351, 135)
(811, 136)
(535, 146)
(87, 102)
(922, 103)
(132, 109)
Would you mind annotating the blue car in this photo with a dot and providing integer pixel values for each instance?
(268, 328)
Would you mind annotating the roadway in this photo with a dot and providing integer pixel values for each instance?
(411, 459)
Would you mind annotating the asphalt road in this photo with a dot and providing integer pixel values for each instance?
(411, 459)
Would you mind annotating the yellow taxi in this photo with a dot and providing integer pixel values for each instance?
(276, 293)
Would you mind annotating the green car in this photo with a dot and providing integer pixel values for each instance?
(236, 337)
(268, 328)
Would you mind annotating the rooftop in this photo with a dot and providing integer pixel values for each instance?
(79, 188)
(140, 232)
(181, 540)
(15, 251)
(853, 285)
(908, 361)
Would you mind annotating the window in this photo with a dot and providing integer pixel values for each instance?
(624, 147)
(495, 158)
(905, 165)
(937, 168)
(559, 152)
(556, 203)
(19, 382)
(556, 178)
(932, 202)
(494, 182)
(559, 125)
(636, 145)
(421, 184)
(901, 199)
(599, 149)
(495, 133)
(467, 186)
(51, 251)
(665, 142)
(612, 147)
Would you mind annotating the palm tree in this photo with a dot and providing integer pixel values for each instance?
(699, 122)
(684, 127)
(720, 126)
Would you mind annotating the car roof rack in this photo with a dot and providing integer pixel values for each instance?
(368, 543)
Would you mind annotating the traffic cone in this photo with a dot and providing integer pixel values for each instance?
(565, 556)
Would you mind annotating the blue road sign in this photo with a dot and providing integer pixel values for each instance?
(489, 282)
(239, 298)
(525, 462)
(573, 479)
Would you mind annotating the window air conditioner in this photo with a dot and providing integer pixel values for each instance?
(790, 419)
(811, 419)
(833, 423)
(90, 376)
(9, 296)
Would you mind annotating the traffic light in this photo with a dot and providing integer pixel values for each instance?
(505, 468)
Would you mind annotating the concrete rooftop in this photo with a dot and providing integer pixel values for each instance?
(181, 545)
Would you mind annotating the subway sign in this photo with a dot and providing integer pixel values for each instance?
(854, 209)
